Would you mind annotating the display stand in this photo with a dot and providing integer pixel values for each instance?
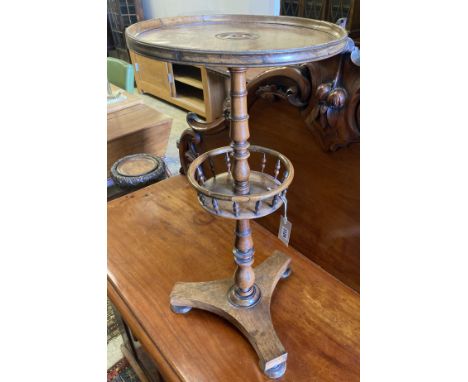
(238, 193)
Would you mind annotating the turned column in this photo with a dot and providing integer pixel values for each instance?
(244, 293)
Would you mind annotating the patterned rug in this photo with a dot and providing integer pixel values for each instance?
(112, 328)
(122, 372)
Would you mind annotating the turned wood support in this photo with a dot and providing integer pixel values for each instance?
(244, 293)
(240, 130)
(245, 298)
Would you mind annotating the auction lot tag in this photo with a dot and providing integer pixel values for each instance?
(284, 232)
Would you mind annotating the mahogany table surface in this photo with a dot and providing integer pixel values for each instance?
(129, 120)
(136, 129)
(160, 235)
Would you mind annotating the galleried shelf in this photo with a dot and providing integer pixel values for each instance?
(234, 190)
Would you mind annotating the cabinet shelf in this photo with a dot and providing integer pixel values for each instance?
(190, 75)
(189, 81)
(190, 96)
(190, 87)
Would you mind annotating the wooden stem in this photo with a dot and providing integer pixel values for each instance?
(243, 255)
(240, 131)
(244, 292)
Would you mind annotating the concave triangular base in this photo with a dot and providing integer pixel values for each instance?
(254, 322)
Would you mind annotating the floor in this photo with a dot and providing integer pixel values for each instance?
(179, 124)
(114, 353)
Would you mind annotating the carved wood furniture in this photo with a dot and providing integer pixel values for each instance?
(291, 111)
(194, 88)
(136, 129)
(234, 191)
(158, 235)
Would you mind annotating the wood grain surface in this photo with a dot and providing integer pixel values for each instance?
(137, 129)
(159, 235)
(323, 199)
(236, 40)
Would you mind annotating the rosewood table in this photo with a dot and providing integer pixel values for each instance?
(222, 178)
(158, 236)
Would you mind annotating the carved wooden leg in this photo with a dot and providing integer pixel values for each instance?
(255, 323)
(244, 292)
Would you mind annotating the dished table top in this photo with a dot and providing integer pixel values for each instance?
(160, 235)
(236, 40)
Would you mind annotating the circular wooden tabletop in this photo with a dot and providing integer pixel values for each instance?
(236, 40)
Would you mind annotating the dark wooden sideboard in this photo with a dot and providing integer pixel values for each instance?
(289, 112)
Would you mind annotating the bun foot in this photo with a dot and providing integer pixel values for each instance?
(286, 273)
(277, 371)
(181, 309)
(253, 321)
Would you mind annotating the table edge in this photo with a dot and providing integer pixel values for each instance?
(247, 59)
(167, 370)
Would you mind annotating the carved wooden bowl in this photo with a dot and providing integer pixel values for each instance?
(216, 193)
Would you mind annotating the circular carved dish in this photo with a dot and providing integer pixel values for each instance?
(236, 40)
(137, 170)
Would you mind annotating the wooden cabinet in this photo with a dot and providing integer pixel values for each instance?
(136, 129)
(121, 14)
(328, 10)
(193, 88)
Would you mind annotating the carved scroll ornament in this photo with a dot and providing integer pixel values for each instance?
(327, 92)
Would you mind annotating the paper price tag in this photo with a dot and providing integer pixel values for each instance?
(284, 232)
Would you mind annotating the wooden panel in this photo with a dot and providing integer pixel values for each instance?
(152, 75)
(133, 119)
(324, 196)
(139, 129)
(190, 98)
(160, 235)
(214, 91)
(190, 75)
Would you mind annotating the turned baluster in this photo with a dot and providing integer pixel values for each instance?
(200, 176)
(228, 164)
(277, 168)
(235, 209)
(263, 162)
(257, 207)
(275, 200)
(215, 205)
(244, 292)
(202, 198)
(212, 167)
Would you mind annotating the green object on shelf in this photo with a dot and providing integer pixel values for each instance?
(120, 73)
